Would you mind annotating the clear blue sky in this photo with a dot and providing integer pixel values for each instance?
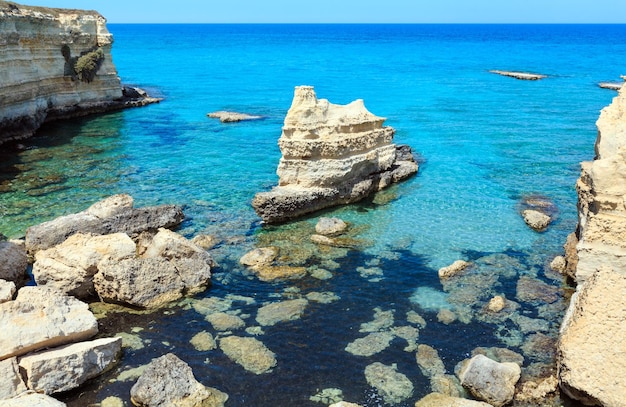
(350, 11)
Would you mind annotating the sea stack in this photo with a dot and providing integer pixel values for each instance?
(592, 343)
(331, 155)
(54, 64)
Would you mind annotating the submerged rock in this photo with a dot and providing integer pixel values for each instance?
(392, 385)
(222, 321)
(489, 380)
(250, 353)
(371, 344)
(168, 381)
(429, 361)
(203, 341)
(331, 155)
(274, 313)
(259, 257)
(330, 226)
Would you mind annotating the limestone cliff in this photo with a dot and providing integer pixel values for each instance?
(331, 155)
(54, 63)
(592, 345)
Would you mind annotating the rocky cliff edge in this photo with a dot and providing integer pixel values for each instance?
(54, 64)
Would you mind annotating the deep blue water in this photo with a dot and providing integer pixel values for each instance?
(485, 142)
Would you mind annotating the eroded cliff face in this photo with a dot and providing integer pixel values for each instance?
(42, 74)
(331, 155)
(592, 344)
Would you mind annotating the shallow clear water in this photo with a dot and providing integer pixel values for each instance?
(485, 142)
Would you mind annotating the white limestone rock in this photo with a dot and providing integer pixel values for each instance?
(168, 381)
(232, 117)
(592, 345)
(331, 155)
(32, 399)
(330, 226)
(7, 290)
(42, 317)
(70, 266)
(11, 384)
(453, 269)
(114, 214)
(489, 380)
(441, 400)
(67, 367)
(536, 220)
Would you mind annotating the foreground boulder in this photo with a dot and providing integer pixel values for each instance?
(441, 400)
(111, 215)
(70, 266)
(331, 155)
(67, 367)
(32, 399)
(489, 380)
(43, 317)
(592, 346)
(168, 381)
(11, 384)
(169, 268)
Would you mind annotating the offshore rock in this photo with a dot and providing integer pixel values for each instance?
(232, 117)
(489, 380)
(519, 75)
(43, 317)
(452, 270)
(54, 64)
(168, 381)
(331, 155)
(111, 215)
(70, 266)
(537, 220)
(67, 367)
(591, 349)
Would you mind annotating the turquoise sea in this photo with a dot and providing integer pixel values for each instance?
(485, 142)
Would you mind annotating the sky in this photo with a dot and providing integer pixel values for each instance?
(350, 11)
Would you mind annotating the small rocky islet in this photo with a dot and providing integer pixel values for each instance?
(103, 278)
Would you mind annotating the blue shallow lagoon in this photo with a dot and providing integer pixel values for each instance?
(485, 142)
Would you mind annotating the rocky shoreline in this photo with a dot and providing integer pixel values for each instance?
(70, 71)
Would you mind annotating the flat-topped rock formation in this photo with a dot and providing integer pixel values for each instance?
(520, 75)
(592, 344)
(611, 85)
(331, 155)
(55, 64)
(232, 117)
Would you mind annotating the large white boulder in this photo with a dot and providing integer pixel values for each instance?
(71, 265)
(168, 381)
(32, 399)
(490, 381)
(67, 367)
(43, 317)
(7, 290)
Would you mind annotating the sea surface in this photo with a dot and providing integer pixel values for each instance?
(486, 145)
